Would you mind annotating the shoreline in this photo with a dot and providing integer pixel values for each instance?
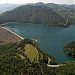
(16, 34)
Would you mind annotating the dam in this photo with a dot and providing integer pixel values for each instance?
(9, 36)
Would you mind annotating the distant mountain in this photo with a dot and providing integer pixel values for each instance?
(39, 3)
(67, 11)
(49, 14)
(33, 14)
(69, 6)
(7, 7)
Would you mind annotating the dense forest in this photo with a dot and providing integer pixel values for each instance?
(33, 14)
(17, 59)
(69, 49)
(22, 58)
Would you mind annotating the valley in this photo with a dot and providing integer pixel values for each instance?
(37, 39)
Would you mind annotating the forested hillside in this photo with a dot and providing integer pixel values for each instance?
(18, 59)
(69, 49)
(67, 11)
(23, 58)
(49, 14)
(33, 14)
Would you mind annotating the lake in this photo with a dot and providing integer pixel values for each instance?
(51, 39)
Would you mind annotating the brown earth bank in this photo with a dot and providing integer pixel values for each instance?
(8, 36)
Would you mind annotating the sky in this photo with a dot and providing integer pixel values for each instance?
(35, 1)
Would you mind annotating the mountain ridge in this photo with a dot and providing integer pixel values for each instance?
(33, 14)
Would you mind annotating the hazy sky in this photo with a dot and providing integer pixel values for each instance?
(35, 1)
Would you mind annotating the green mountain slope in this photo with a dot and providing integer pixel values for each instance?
(23, 57)
(67, 69)
(33, 14)
(26, 58)
(67, 11)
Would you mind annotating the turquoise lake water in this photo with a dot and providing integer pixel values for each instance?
(51, 39)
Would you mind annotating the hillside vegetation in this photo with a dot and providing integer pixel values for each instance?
(26, 58)
(48, 14)
(22, 57)
(67, 69)
(69, 49)
(33, 14)
(67, 11)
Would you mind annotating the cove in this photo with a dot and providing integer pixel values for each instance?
(51, 38)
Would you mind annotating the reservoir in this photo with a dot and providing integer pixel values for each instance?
(51, 38)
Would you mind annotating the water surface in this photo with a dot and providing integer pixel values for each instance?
(51, 38)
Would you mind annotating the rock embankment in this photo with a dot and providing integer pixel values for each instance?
(8, 36)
